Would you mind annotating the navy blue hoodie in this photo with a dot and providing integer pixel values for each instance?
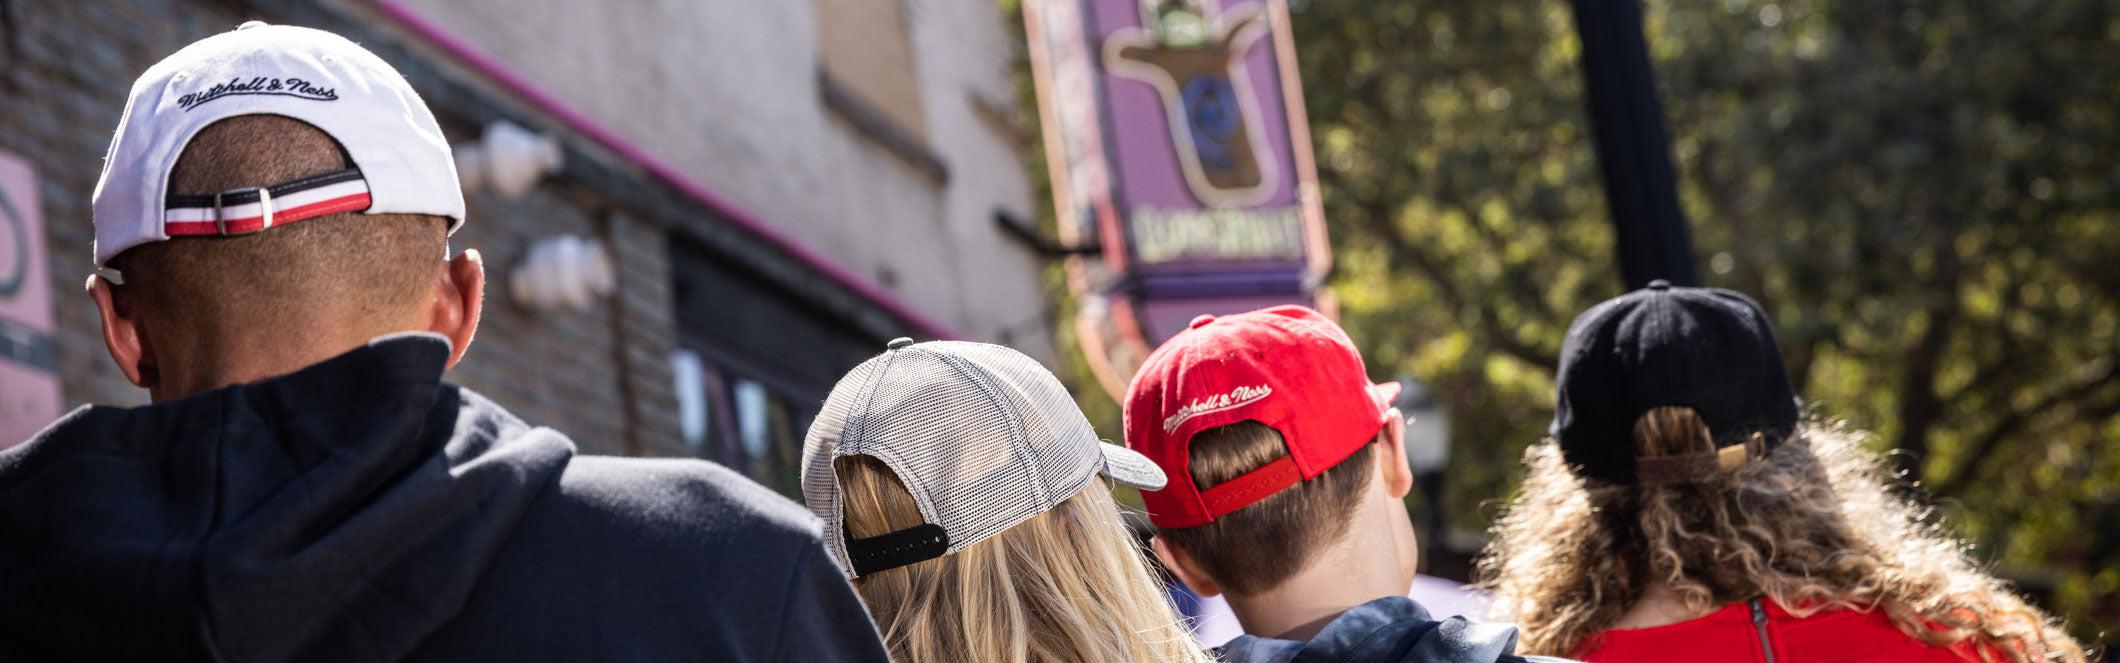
(1393, 629)
(363, 510)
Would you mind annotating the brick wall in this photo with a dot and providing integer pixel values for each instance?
(555, 368)
(644, 307)
(64, 72)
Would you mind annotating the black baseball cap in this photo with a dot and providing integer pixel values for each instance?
(1705, 348)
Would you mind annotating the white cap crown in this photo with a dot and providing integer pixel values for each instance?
(309, 75)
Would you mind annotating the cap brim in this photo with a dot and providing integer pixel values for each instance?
(1386, 393)
(1131, 468)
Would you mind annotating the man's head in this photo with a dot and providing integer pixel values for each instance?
(1278, 449)
(274, 196)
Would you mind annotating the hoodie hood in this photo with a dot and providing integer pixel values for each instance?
(1387, 630)
(341, 512)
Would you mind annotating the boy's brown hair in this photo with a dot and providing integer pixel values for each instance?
(1256, 548)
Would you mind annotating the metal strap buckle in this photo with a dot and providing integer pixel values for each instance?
(220, 219)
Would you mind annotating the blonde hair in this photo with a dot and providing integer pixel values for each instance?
(1256, 548)
(1812, 526)
(1067, 585)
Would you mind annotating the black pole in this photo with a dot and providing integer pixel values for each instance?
(1633, 153)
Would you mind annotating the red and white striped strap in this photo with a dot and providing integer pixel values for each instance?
(249, 210)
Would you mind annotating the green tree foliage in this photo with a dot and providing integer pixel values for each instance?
(1923, 195)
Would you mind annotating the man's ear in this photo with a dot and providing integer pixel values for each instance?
(123, 335)
(459, 293)
(1181, 564)
(1393, 467)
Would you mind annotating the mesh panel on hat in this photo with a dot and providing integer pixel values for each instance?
(1059, 438)
(820, 482)
(973, 431)
(952, 437)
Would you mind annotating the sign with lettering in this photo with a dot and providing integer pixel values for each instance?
(1227, 235)
(1177, 143)
(29, 381)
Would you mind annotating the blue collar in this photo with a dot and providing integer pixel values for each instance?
(1393, 628)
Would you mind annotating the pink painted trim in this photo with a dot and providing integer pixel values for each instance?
(580, 123)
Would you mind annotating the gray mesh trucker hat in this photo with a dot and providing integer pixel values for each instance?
(982, 436)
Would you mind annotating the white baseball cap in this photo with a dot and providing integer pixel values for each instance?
(981, 435)
(401, 162)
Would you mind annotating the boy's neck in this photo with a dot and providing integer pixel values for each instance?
(1373, 560)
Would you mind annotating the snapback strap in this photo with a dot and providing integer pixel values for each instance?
(1250, 487)
(1688, 467)
(896, 549)
(253, 209)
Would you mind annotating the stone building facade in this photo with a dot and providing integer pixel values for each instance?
(774, 218)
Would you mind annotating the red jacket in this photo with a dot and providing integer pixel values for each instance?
(1734, 633)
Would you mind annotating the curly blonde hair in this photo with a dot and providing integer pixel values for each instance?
(1812, 525)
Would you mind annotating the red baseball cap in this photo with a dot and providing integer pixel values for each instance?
(1287, 367)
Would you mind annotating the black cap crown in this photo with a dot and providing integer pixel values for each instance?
(1704, 348)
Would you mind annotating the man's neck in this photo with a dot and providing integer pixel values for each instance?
(210, 367)
(1369, 563)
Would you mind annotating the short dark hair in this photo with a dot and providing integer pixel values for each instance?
(1259, 546)
(353, 264)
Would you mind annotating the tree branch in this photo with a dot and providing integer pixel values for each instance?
(1918, 404)
(2006, 362)
(1968, 466)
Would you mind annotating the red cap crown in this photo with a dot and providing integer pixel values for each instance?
(1287, 367)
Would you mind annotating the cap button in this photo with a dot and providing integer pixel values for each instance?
(900, 342)
(1659, 284)
(1201, 321)
(252, 24)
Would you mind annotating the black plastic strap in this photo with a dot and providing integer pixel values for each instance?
(249, 195)
(896, 549)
